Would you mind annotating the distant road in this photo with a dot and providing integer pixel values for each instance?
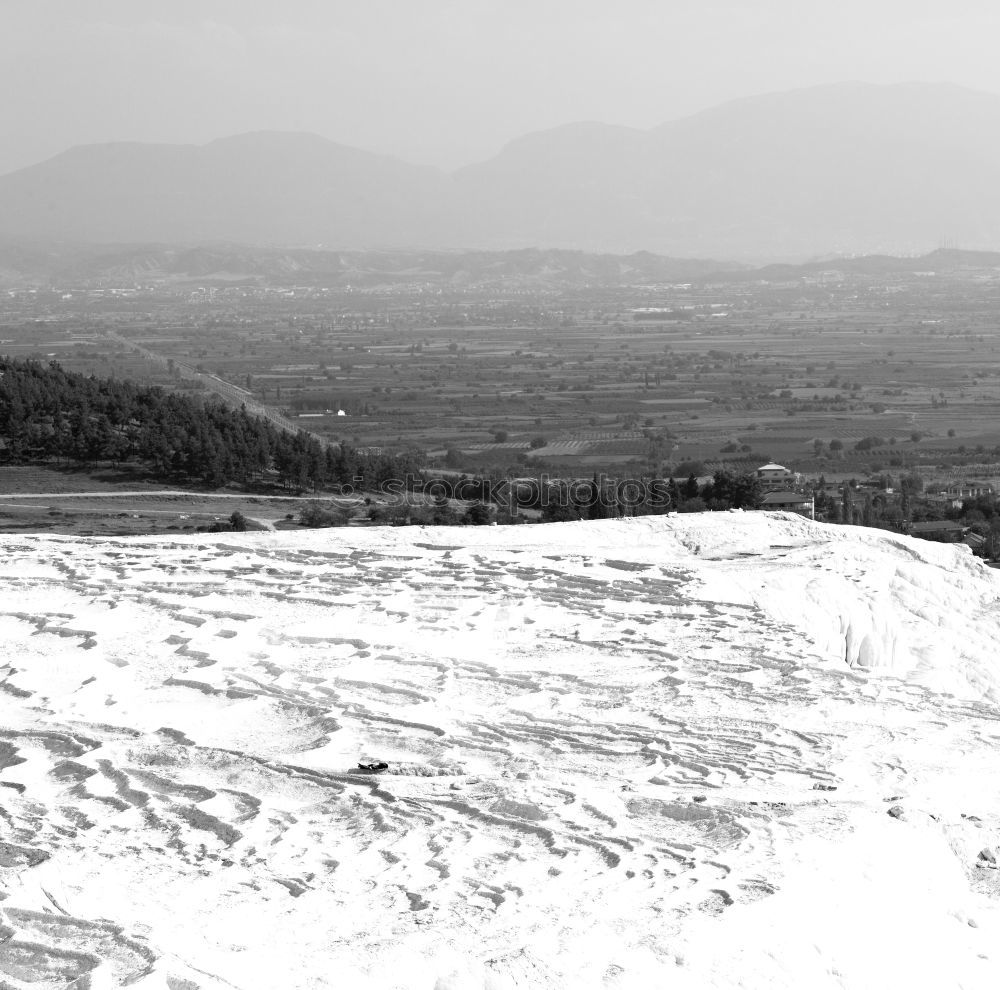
(231, 393)
(169, 491)
(132, 494)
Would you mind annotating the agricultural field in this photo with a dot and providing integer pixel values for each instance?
(576, 379)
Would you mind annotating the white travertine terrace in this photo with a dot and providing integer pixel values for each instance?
(631, 753)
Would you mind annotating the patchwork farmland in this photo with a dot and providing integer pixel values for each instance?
(539, 373)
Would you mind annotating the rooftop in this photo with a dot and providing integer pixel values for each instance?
(782, 497)
(936, 526)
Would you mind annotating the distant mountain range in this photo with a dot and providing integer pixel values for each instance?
(69, 265)
(850, 168)
(127, 265)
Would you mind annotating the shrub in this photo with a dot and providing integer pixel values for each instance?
(316, 514)
(478, 514)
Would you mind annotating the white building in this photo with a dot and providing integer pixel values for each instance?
(773, 477)
(790, 502)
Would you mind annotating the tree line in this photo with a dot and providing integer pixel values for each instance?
(637, 497)
(49, 413)
(601, 497)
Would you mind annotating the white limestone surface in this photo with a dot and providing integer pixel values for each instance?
(631, 753)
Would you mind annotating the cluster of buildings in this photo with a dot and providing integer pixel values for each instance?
(778, 485)
(783, 490)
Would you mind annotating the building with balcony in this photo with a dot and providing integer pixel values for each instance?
(773, 477)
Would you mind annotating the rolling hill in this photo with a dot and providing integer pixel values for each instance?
(120, 264)
(273, 188)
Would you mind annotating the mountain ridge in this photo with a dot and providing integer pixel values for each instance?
(65, 264)
(126, 265)
(845, 168)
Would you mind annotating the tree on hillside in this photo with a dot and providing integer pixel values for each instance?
(847, 505)
(599, 501)
(867, 511)
(478, 514)
(674, 493)
(442, 513)
(733, 491)
(46, 412)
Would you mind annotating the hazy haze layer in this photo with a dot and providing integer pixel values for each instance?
(444, 82)
(848, 168)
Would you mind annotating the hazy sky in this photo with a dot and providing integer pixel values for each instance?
(445, 82)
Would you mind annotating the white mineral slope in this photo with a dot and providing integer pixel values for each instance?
(634, 753)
